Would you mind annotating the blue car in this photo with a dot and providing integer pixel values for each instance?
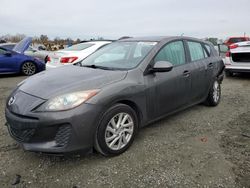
(14, 61)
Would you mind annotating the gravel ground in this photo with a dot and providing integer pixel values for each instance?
(199, 147)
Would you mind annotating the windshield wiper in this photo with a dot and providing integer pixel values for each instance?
(98, 67)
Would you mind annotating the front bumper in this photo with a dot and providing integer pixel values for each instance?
(55, 132)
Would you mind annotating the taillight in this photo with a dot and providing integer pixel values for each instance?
(233, 46)
(48, 59)
(68, 59)
(228, 54)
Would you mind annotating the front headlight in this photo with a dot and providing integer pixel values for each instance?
(69, 101)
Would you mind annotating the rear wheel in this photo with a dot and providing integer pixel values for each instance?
(214, 95)
(28, 68)
(116, 130)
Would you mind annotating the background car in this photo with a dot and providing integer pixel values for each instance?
(14, 61)
(238, 58)
(118, 89)
(74, 54)
(232, 40)
(38, 52)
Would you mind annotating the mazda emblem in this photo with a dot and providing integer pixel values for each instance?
(12, 100)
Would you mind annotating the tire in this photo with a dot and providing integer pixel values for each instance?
(228, 74)
(214, 94)
(28, 68)
(111, 137)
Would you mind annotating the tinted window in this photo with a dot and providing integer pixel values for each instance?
(2, 51)
(235, 40)
(172, 52)
(196, 51)
(8, 46)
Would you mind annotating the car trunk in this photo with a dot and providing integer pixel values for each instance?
(241, 57)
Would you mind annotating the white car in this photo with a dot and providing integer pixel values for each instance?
(74, 54)
(238, 58)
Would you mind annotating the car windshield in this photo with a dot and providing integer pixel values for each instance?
(78, 47)
(119, 55)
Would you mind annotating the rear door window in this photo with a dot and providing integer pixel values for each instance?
(173, 52)
(208, 50)
(196, 51)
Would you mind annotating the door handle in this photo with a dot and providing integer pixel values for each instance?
(186, 73)
(210, 65)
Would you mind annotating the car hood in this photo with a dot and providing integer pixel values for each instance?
(22, 45)
(69, 79)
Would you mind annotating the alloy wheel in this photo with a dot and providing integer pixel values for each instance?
(216, 91)
(29, 68)
(119, 131)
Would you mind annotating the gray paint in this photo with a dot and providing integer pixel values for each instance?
(154, 95)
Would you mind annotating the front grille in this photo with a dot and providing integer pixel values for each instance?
(21, 135)
(63, 135)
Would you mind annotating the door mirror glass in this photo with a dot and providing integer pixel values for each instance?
(162, 66)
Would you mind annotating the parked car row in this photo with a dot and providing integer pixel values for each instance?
(31, 60)
(74, 54)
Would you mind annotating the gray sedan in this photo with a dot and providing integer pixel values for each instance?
(102, 102)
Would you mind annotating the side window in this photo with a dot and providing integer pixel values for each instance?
(173, 52)
(208, 49)
(196, 50)
(2, 51)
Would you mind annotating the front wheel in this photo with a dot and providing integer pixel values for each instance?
(214, 95)
(116, 130)
(28, 68)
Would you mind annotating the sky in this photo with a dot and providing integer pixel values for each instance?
(115, 18)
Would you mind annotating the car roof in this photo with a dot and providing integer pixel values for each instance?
(98, 42)
(161, 38)
(7, 43)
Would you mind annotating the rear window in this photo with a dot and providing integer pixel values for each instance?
(196, 51)
(78, 47)
(235, 40)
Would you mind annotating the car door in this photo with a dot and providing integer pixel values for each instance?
(7, 61)
(168, 91)
(199, 69)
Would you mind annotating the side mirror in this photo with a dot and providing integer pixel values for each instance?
(162, 66)
(8, 54)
